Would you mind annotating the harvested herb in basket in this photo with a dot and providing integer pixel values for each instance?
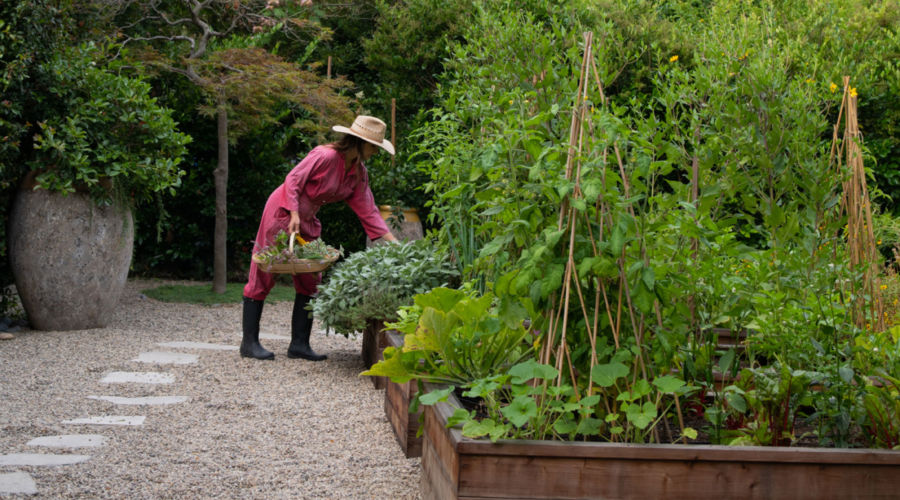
(279, 252)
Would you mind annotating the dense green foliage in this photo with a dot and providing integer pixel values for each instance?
(23, 45)
(74, 118)
(702, 195)
(373, 284)
(454, 338)
(102, 127)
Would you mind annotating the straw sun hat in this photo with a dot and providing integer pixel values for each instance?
(369, 129)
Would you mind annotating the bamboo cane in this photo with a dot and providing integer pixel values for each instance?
(860, 229)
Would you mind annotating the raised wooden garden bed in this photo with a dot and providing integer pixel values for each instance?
(396, 406)
(373, 344)
(455, 467)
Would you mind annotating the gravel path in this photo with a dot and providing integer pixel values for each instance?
(250, 429)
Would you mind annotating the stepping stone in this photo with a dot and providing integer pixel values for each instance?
(138, 378)
(41, 459)
(70, 441)
(163, 358)
(147, 400)
(108, 420)
(17, 483)
(198, 345)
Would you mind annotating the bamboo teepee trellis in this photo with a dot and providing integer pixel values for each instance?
(867, 304)
(617, 307)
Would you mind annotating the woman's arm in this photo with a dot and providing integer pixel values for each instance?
(294, 224)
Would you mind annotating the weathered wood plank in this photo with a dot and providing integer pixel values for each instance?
(399, 426)
(681, 452)
(435, 480)
(372, 351)
(520, 477)
(441, 440)
(478, 469)
(396, 407)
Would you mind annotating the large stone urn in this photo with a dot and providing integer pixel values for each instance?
(69, 257)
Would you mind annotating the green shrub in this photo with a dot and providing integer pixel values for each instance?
(374, 283)
(706, 196)
(102, 126)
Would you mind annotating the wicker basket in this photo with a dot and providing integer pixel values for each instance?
(299, 267)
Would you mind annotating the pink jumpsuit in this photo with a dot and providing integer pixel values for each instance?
(318, 179)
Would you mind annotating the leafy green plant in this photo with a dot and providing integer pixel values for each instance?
(375, 283)
(103, 128)
(774, 398)
(455, 337)
(282, 252)
(517, 408)
(882, 404)
(689, 187)
(397, 184)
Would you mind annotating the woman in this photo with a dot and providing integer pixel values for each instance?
(329, 173)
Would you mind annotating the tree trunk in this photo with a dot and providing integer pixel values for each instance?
(220, 175)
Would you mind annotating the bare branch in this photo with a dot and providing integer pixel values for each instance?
(170, 38)
(176, 22)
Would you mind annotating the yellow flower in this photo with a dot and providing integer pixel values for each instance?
(852, 91)
(832, 87)
(673, 58)
(301, 241)
(809, 80)
(878, 243)
(884, 287)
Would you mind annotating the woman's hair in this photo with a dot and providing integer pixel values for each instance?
(349, 142)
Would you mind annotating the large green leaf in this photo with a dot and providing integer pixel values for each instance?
(392, 366)
(668, 384)
(435, 396)
(605, 375)
(641, 415)
(531, 369)
(486, 427)
(520, 410)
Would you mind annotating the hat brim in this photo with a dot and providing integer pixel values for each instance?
(384, 144)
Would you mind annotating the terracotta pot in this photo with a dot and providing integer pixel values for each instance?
(69, 257)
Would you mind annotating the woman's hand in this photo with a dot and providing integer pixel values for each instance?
(294, 225)
(389, 237)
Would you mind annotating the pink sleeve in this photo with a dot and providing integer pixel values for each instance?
(296, 179)
(363, 203)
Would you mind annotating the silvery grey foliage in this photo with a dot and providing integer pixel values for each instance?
(374, 283)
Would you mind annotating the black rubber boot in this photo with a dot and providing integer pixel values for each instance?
(301, 327)
(250, 346)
